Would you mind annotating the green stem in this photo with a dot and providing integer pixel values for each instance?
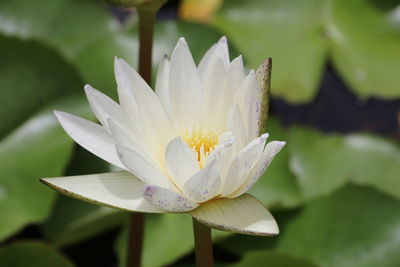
(137, 220)
(203, 245)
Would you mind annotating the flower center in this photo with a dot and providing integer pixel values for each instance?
(201, 141)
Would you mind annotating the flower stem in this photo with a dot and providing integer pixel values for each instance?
(137, 220)
(135, 240)
(147, 18)
(203, 245)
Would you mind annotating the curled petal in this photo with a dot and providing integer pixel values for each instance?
(204, 185)
(271, 149)
(242, 165)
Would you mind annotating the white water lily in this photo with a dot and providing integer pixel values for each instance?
(192, 146)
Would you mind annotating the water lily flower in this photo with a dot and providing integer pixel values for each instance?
(192, 146)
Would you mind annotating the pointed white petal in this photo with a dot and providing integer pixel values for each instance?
(248, 99)
(181, 161)
(143, 169)
(162, 83)
(119, 190)
(204, 185)
(242, 165)
(103, 107)
(252, 107)
(90, 136)
(143, 105)
(212, 84)
(244, 215)
(167, 200)
(232, 81)
(271, 149)
(185, 87)
(218, 50)
(237, 127)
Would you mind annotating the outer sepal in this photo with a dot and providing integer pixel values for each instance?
(263, 75)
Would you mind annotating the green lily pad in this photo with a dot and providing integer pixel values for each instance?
(31, 253)
(273, 258)
(84, 32)
(88, 36)
(366, 50)
(301, 35)
(32, 144)
(288, 31)
(355, 226)
(169, 236)
(323, 163)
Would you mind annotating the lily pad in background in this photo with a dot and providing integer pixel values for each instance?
(89, 37)
(33, 138)
(273, 258)
(355, 226)
(288, 31)
(34, 254)
(82, 31)
(323, 163)
(365, 41)
(362, 37)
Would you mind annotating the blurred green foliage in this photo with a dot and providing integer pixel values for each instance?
(336, 197)
(361, 37)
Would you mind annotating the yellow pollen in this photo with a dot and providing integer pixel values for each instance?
(202, 142)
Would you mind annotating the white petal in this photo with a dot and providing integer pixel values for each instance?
(219, 50)
(242, 165)
(103, 107)
(181, 161)
(167, 200)
(90, 136)
(248, 99)
(204, 185)
(213, 95)
(124, 137)
(237, 127)
(162, 83)
(143, 105)
(223, 155)
(185, 87)
(232, 81)
(271, 149)
(119, 190)
(143, 169)
(245, 215)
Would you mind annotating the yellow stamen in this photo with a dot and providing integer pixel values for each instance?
(201, 141)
